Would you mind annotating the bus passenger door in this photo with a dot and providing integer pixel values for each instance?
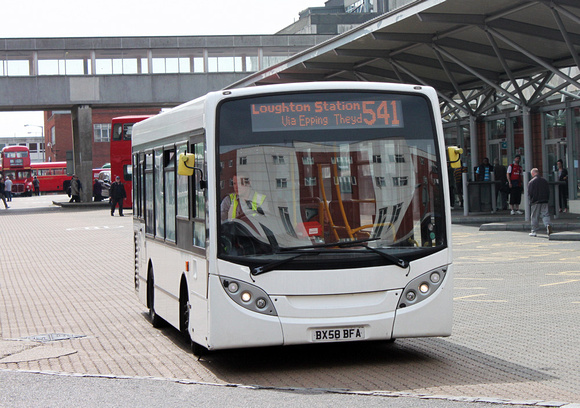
(191, 230)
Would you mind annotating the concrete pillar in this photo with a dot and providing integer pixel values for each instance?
(82, 127)
(529, 164)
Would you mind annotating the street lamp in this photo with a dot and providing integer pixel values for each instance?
(41, 134)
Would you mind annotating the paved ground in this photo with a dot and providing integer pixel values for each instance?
(67, 272)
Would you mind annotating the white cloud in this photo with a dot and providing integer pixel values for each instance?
(71, 18)
(13, 123)
(106, 18)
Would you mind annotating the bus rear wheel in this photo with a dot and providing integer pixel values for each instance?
(156, 321)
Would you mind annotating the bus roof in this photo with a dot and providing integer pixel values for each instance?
(129, 118)
(192, 115)
(16, 148)
(48, 165)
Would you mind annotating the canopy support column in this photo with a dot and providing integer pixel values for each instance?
(82, 127)
(528, 165)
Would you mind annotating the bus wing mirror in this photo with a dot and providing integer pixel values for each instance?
(185, 164)
(454, 154)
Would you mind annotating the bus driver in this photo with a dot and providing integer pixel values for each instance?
(242, 202)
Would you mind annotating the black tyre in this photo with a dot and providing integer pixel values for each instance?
(198, 350)
(184, 314)
(156, 321)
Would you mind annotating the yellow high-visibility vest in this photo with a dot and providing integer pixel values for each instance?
(257, 201)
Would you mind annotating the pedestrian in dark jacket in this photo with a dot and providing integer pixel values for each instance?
(563, 176)
(36, 185)
(484, 170)
(500, 175)
(97, 190)
(539, 195)
(75, 189)
(117, 195)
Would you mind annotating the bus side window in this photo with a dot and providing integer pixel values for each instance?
(128, 172)
(169, 178)
(127, 131)
(148, 194)
(117, 131)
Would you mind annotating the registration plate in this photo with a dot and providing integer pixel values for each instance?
(342, 333)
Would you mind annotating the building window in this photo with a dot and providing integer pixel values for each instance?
(345, 183)
(243, 161)
(380, 182)
(397, 158)
(308, 160)
(377, 158)
(278, 159)
(310, 181)
(400, 181)
(342, 162)
(281, 183)
(102, 132)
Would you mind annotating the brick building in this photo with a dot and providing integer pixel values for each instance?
(58, 135)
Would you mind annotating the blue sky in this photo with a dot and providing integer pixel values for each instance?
(71, 18)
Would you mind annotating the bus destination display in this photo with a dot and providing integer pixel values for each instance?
(326, 115)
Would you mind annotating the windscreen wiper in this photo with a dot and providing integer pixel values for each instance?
(345, 244)
(273, 265)
(314, 250)
(400, 262)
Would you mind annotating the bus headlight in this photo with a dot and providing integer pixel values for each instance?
(233, 287)
(422, 287)
(248, 296)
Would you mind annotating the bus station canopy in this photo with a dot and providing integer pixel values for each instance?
(477, 54)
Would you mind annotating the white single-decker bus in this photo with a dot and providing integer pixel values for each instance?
(294, 214)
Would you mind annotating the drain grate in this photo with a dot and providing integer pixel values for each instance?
(45, 338)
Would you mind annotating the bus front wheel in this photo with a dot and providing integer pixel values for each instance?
(184, 316)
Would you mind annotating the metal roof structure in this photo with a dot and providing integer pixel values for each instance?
(480, 55)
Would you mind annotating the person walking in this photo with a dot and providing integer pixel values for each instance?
(500, 175)
(97, 190)
(539, 195)
(75, 189)
(36, 185)
(563, 190)
(117, 195)
(515, 176)
(2, 190)
(8, 189)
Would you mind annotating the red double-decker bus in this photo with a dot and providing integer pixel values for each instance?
(121, 129)
(16, 164)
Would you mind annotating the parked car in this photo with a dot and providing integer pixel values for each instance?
(104, 178)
